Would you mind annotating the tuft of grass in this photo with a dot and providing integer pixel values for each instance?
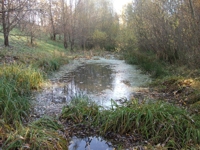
(4, 130)
(157, 122)
(81, 109)
(47, 123)
(16, 83)
(34, 138)
(22, 77)
(48, 65)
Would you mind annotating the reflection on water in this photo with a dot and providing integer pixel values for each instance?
(89, 143)
(88, 79)
(101, 80)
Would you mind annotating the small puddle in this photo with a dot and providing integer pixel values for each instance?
(100, 79)
(89, 143)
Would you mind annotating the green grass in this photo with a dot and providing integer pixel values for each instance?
(157, 122)
(147, 62)
(45, 54)
(48, 123)
(36, 136)
(23, 69)
(16, 83)
(81, 109)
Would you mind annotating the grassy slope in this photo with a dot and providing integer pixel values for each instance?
(43, 51)
(23, 68)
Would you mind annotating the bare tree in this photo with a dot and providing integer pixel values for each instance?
(52, 21)
(170, 29)
(64, 19)
(13, 11)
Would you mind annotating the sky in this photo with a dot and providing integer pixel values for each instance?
(118, 4)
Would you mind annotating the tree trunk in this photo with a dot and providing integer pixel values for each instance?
(54, 36)
(60, 37)
(65, 41)
(72, 44)
(6, 40)
(5, 21)
(52, 22)
(31, 38)
(192, 9)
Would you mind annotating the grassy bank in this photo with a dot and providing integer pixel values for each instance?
(24, 68)
(158, 123)
(42, 134)
(179, 84)
(148, 63)
(17, 81)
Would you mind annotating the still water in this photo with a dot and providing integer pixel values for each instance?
(100, 79)
(90, 143)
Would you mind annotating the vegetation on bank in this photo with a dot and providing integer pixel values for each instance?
(162, 37)
(23, 69)
(177, 84)
(17, 81)
(157, 122)
(41, 134)
(147, 62)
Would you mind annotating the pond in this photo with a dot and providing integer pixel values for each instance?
(99, 78)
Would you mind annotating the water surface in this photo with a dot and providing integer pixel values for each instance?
(100, 79)
(89, 143)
